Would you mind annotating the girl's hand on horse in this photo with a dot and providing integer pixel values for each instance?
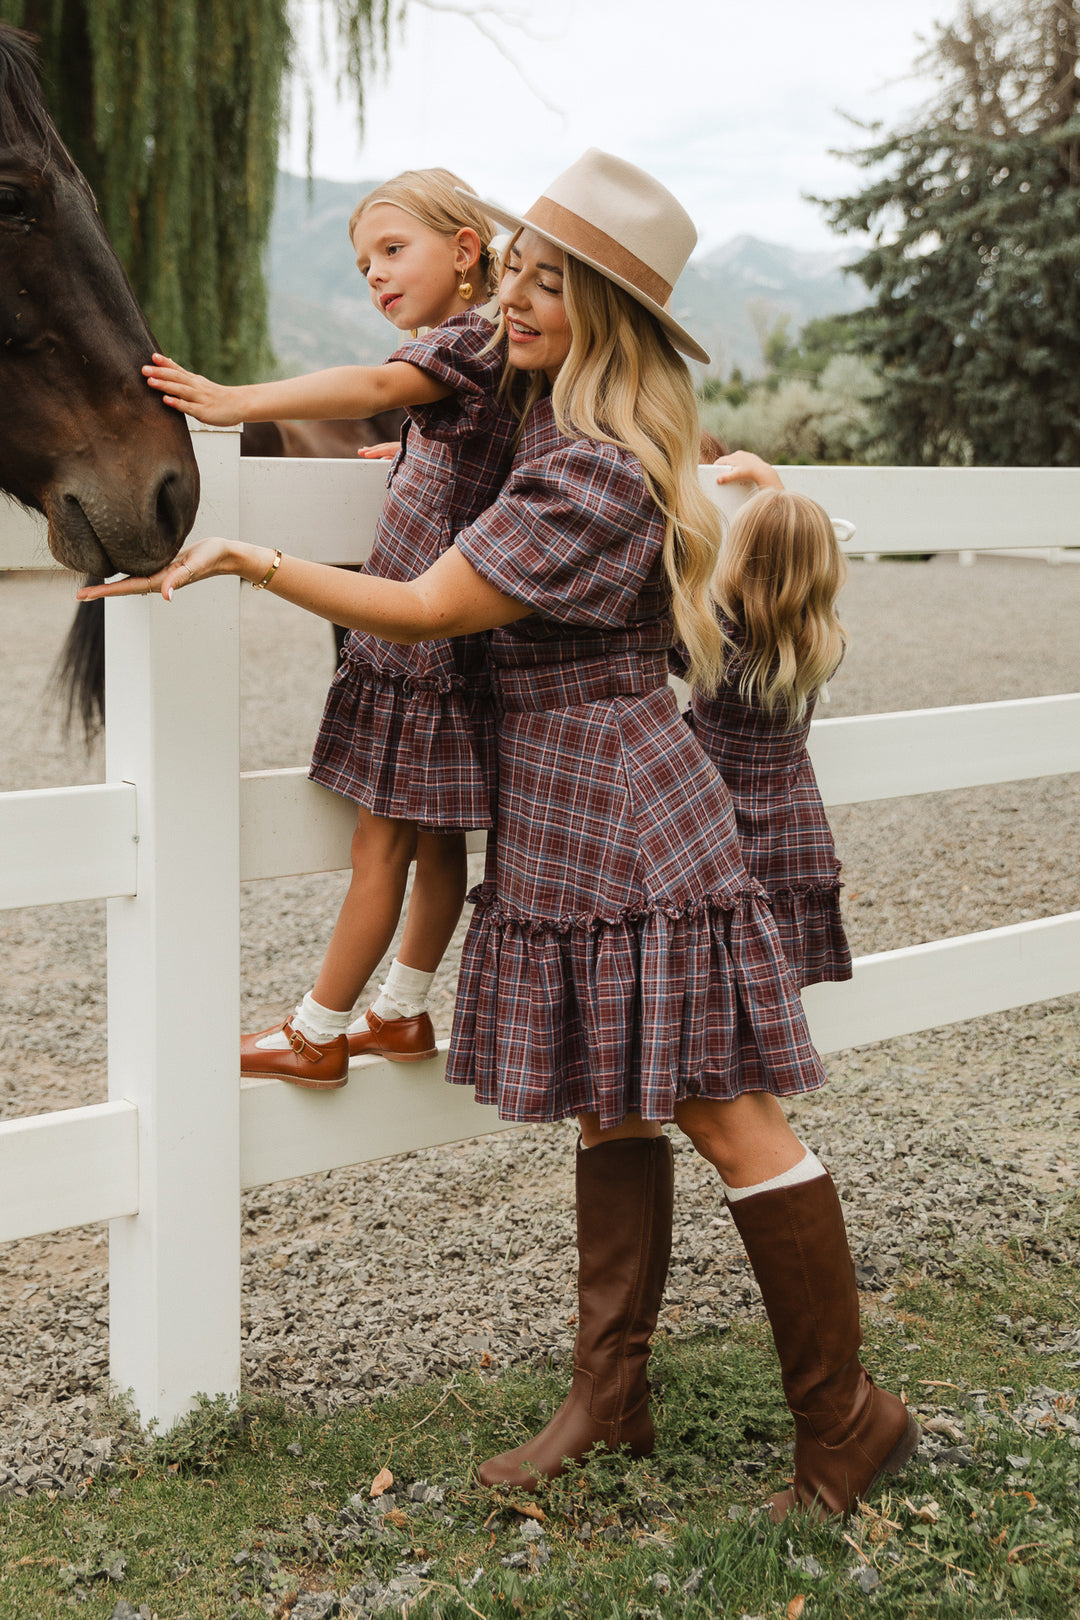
(206, 401)
(739, 466)
(203, 560)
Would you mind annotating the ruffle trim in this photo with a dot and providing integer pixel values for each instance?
(500, 915)
(409, 747)
(592, 1018)
(811, 931)
(409, 685)
(807, 891)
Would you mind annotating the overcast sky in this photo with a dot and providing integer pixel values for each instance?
(735, 107)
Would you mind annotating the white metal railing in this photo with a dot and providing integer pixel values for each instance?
(175, 828)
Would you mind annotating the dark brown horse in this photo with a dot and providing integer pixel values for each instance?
(82, 439)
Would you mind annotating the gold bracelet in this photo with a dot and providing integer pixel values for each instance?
(270, 572)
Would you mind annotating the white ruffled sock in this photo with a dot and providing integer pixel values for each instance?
(404, 994)
(316, 1022)
(807, 1169)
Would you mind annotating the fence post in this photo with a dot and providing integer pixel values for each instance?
(172, 729)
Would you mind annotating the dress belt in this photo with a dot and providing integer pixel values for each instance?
(587, 680)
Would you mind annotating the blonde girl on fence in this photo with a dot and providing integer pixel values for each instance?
(407, 729)
(621, 965)
(780, 573)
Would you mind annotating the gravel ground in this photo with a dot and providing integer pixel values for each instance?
(361, 1280)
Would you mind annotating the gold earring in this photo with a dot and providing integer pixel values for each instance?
(465, 288)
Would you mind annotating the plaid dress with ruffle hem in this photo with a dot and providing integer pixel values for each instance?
(786, 839)
(408, 731)
(619, 958)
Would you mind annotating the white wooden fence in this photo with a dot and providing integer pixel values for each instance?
(175, 827)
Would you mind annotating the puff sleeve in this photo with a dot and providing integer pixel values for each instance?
(575, 534)
(456, 353)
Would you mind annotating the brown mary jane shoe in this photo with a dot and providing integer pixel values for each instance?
(319, 1066)
(402, 1040)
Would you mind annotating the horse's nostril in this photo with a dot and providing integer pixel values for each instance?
(167, 508)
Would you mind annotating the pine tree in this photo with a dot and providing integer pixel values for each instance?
(172, 109)
(975, 261)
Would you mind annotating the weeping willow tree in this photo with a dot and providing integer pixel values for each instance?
(172, 109)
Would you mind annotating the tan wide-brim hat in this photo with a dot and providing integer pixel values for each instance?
(619, 220)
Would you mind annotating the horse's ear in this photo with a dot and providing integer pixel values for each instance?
(78, 677)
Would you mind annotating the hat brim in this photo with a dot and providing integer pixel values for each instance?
(679, 336)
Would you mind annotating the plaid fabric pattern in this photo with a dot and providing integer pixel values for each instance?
(619, 958)
(786, 839)
(407, 731)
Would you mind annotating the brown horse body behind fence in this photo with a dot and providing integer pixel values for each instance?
(82, 439)
(339, 437)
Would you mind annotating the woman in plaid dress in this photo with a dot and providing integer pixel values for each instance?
(780, 573)
(621, 964)
(407, 730)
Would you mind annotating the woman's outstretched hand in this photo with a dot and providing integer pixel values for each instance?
(203, 560)
(741, 467)
(206, 401)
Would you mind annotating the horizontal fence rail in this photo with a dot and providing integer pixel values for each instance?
(326, 510)
(947, 981)
(291, 825)
(59, 844)
(890, 756)
(920, 509)
(67, 1168)
(388, 1109)
(176, 1119)
(81, 843)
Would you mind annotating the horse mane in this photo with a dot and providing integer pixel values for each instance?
(25, 122)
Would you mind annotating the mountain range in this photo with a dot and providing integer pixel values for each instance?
(730, 297)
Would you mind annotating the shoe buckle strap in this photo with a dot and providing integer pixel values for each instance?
(302, 1046)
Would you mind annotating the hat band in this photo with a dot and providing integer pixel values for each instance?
(581, 237)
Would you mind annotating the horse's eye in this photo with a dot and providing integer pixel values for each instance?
(11, 202)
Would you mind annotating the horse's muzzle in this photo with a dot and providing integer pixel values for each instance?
(121, 525)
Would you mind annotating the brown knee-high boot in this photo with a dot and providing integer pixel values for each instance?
(624, 1210)
(847, 1431)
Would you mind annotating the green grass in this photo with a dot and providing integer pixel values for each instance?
(222, 1521)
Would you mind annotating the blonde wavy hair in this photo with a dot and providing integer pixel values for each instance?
(429, 195)
(623, 383)
(779, 576)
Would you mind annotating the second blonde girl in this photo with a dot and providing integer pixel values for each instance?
(779, 576)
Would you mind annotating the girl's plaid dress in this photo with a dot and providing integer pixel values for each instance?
(786, 839)
(408, 731)
(619, 958)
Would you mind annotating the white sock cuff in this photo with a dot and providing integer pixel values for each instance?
(411, 981)
(809, 1168)
(320, 1023)
(404, 994)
